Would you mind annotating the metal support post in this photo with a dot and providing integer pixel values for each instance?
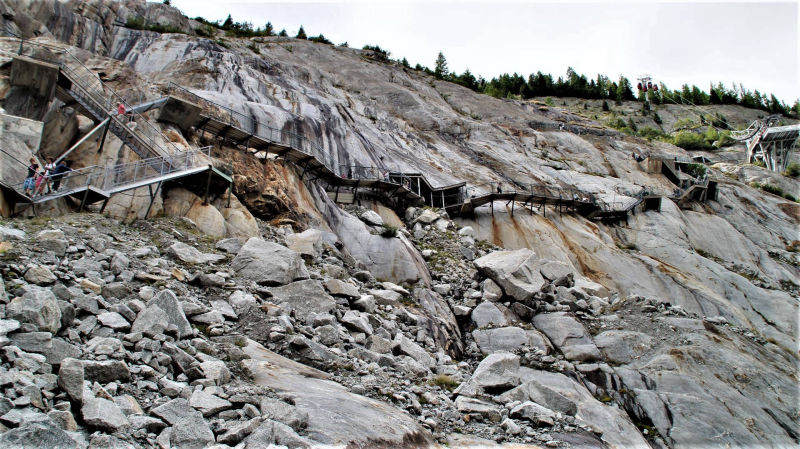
(208, 185)
(85, 195)
(230, 193)
(105, 203)
(152, 197)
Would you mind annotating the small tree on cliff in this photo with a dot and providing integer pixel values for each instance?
(441, 70)
(301, 33)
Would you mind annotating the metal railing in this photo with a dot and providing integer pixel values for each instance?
(362, 172)
(70, 180)
(146, 169)
(255, 128)
(111, 178)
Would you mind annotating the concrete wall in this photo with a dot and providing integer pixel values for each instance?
(39, 77)
(179, 112)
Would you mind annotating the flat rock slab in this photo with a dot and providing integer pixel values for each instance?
(335, 416)
(509, 339)
(190, 254)
(621, 346)
(303, 298)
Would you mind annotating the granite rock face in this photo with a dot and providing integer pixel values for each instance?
(550, 330)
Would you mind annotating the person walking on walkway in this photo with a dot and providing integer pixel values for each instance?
(29, 186)
(44, 180)
(58, 173)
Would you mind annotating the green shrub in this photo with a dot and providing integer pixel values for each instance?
(792, 170)
(772, 189)
(651, 133)
(689, 141)
(696, 170)
(380, 54)
(320, 39)
(138, 23)
(684, 123)
(389, 231)
(445, 381)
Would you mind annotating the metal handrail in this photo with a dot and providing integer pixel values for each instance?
(67, 179)
(248, 124)
(142, 170)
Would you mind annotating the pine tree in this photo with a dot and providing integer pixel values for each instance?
(405, 63)
(283, 33)
(268, 30)
(228, 23)
(301, 33)
(441, 70)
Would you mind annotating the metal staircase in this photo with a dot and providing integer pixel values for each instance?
(79, 83)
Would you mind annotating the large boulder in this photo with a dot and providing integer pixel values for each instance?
(37, 435)
(180, 202)
(239, 222)
(568, 335)
(268, 263)
(486, 314)
(37, 306)
(495, 374)
(302, 298)
(392, 259)
(70, 378)
(103, 414)
(161, 312)
(534, 391)
(191, 432)
(308, 243)
(517, 272)
(440, 322)
(341, 288)
(335, 416)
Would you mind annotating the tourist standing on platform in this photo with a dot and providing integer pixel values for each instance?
(49, 168)
(30, 181)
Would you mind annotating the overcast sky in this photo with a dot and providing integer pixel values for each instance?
(753, 43)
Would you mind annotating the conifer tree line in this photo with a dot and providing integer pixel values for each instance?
(603, 88)
(541, 84)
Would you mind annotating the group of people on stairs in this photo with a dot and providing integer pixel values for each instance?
(36, 180)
